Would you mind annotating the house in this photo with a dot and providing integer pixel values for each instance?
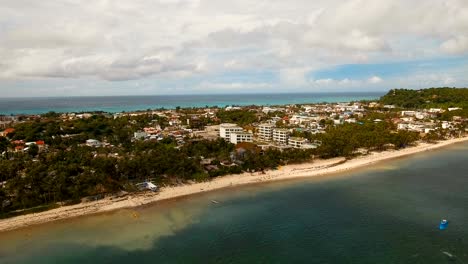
(297, 142)
(232, 108)
(7, 131)
(454, 109)
(140, 135)
(93, 143)
(19, 148)
(402, 126)
(147, 185)
(408, 113)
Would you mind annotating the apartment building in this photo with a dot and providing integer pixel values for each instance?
(238, 137)
(226, 129)
(297, 142)
(265, 131)
(281, 135)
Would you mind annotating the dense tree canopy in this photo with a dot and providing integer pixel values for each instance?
(240, 117)
(425, 98)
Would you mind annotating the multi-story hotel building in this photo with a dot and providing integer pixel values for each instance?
(238, 137)
(226, 129)
(265, 132)
(281, 135)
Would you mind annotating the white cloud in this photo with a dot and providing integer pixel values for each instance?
(294, 76)
(126, 40)
(324, 81)
(233, 86)
(457, 45)
(375, 79)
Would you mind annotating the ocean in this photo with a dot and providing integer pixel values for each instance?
(386, 213)
(132, 103)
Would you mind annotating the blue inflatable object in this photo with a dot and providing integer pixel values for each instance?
(443, 224)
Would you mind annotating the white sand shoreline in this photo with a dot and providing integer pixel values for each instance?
(313, 169)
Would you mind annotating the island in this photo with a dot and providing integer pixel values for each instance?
(60, 165)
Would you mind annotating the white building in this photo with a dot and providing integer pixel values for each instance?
(281, 135)
(420, 115)
(299, 119)
(297, 142)
(226, 129)
(267, 110)
(238, 137)
(408, 113)
(402, 126)
(454, 109)
(140, 135)
(93, 143)
(265, 131)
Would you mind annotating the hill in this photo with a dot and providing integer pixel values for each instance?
(427, 98)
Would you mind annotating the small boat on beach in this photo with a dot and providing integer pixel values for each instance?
(449, 255)
(443, 224)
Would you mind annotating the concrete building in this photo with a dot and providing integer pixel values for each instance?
(297, 142)
(238, 137)
(93, 143)
(226, 129)
(140, 135)
(281, 135)
(265, 131)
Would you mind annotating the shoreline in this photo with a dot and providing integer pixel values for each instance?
(296, 171)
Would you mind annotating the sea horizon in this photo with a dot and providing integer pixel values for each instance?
(120, 103)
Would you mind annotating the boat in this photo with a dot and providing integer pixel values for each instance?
(214, 201)
(443, 224)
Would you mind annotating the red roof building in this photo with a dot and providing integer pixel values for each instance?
(18, 142)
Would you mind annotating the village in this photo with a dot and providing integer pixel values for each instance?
(274, 127)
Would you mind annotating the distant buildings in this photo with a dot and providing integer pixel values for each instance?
(7, 131)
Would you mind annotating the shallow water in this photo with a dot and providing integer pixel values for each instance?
(385, 214)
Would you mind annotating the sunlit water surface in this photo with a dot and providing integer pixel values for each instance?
(385, 214)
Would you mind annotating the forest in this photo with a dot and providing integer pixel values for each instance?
(427, 98)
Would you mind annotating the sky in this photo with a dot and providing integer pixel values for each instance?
(140, 47)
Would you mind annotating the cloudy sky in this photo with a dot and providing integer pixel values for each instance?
(105, 47)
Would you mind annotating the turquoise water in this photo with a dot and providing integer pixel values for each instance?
(132, 103)
(385, 214)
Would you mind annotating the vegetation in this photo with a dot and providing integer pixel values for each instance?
(427, 98)
(68, 170)
(241, 117)
(345, 140)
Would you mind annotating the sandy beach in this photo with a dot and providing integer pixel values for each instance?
(312, 169)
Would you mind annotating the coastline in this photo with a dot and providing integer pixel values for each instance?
(311, 169)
